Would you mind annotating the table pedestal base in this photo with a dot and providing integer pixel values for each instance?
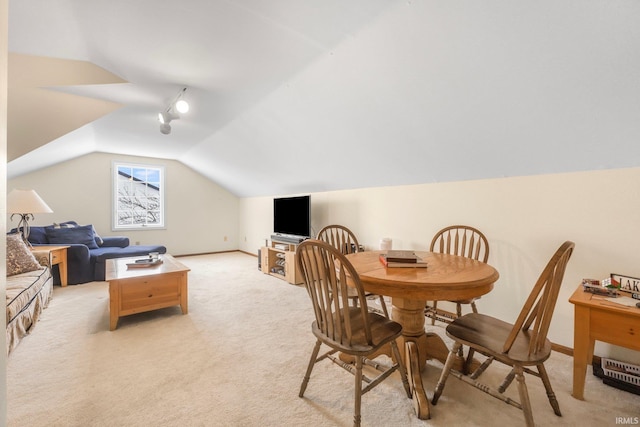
(416, 347)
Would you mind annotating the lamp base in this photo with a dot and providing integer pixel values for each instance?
(24, 227)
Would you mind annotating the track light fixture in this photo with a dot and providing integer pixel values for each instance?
(172, 112)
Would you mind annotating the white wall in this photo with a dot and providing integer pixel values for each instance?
(199, 213)
(524, 218)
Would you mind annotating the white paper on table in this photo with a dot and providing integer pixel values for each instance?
(628, 301)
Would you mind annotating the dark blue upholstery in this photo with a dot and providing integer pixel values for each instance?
(80, 234)
(88, 265)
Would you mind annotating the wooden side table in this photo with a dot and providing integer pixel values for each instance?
(57, 256)
(597, 319)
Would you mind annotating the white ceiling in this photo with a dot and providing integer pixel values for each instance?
(296, 96)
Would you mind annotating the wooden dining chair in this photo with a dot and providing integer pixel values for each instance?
(343, 239)
(342, 327)
(461, 240)
(521, 345)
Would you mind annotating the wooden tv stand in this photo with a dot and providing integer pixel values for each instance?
(279, 260)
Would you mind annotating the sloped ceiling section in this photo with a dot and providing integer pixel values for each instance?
(37, 112)
(293, 96)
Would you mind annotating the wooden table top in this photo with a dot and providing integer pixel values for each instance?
(447, 277)
(116, 268)
(48, 247)
(582, 298)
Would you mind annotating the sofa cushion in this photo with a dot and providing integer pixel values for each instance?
(72, 224)
(96, 237)
(82, 234)
(19, 256)
(37, 236)
(66, 224)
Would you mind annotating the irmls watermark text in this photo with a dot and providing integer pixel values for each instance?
(630, 421)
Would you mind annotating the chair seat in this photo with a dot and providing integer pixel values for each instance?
(488, 335)
(383, 331)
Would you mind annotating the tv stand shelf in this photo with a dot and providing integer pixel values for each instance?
(279, 260)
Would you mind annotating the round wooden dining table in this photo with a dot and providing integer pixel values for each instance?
(446, 278)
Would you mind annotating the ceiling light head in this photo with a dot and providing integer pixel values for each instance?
(165, 117)
(165, 128)
(178, 105)
(182, 106)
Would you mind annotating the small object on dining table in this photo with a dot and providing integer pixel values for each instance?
(417, 262)
(401, 256)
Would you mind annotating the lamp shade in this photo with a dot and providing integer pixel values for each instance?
(26, 202)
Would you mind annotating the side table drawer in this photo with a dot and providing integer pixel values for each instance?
(625, 333)
(55, 258)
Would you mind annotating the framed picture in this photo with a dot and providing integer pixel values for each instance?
(626, 283)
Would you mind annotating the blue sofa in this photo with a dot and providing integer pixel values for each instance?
(87, 251)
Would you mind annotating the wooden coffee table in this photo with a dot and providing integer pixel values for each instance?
(136, 290)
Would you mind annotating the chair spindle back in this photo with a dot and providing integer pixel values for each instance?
(326, 272)
(339, 237)
(535, 316)
(461, 240)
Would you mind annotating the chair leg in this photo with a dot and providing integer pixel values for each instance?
(459, 315)
(445, 372)
(524, 396)
(473, 307)
(435, 312)
(358, 392)
(312, 361)
(384, 307)
(468, 361)
(401, 368)
(550, 394)
(507, 381)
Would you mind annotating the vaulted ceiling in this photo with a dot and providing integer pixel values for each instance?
(293, 96)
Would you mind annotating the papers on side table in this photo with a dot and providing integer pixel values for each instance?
(628, 301)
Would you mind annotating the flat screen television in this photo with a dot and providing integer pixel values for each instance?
(292, 215)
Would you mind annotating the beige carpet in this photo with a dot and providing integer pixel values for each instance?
(237, 359)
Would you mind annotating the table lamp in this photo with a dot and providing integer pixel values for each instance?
(25, 203)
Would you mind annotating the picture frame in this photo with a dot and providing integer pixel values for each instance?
(625, 283)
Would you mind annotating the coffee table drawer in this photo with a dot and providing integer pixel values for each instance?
(149, 293)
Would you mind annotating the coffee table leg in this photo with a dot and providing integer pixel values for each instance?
(184, 294)
(114, 303)
(113, 322)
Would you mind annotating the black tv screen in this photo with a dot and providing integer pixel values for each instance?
(292, 215)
